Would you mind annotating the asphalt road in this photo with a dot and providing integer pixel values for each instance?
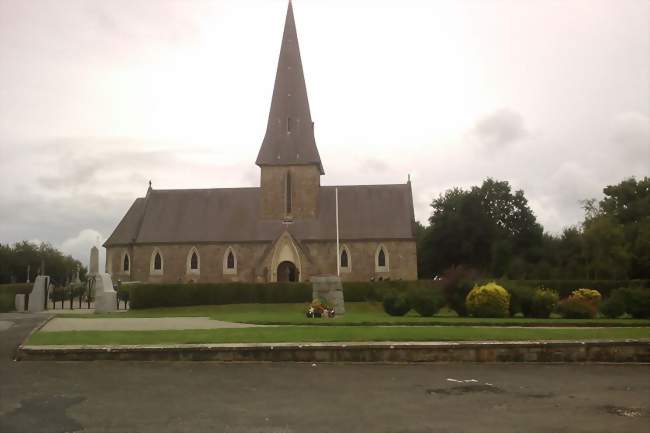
(130, 397)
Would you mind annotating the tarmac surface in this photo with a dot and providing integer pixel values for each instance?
(281, 398)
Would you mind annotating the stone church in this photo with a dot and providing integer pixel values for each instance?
(283, 230)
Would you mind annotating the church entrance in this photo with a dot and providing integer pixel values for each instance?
(287, 273)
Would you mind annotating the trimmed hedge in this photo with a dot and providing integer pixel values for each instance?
(143, 295)
(564, 288)
(182, 295)
(8, 294)
(376, 291)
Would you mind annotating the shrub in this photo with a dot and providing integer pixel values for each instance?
(577, 308)
(521, 298)
(426, 302)
(614, 306)
(637, 303)
(396, 304)
(456, 284)
(588, 295)
(543, 303)
(8, 294)
(490, 300)
(565, 287)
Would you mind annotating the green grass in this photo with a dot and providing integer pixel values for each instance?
(332, 334)
(358, 314)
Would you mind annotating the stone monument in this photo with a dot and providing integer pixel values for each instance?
(38, 297)
(330, 290)
(94, 261)
(105, 295)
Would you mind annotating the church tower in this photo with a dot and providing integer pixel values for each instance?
(289, 161)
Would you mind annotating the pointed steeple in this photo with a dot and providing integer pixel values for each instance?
(289, 136)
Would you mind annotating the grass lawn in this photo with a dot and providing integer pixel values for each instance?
(358, 314)
(332, 334)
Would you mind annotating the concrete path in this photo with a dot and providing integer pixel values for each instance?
(137, 324)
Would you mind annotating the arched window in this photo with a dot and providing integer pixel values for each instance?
(126, 263)
(288, 193)
(157, 263)
(230, 262)
(382, 259)
(193, 261)
(345, 259)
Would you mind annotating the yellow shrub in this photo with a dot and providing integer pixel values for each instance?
(587, 295)
(490, 300)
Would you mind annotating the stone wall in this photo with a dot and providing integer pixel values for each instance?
(254, 262)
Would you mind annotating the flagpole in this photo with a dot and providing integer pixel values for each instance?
(338, 257)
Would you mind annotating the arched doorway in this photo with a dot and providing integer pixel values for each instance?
(287, 273)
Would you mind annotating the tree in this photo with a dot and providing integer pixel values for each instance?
(485, 228)
(15, 260)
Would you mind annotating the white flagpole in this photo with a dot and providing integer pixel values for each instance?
(338, 254)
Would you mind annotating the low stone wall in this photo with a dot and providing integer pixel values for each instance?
(531, 352)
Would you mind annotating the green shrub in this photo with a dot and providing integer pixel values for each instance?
(396, 304)
(456, 284)
(577, 308)
(8, 294)
(544, 302)
(521, 298)
(637, 303)
(426, 302)
(489, 300)
(614, 306)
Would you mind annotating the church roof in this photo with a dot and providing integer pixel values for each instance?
(289, 138)
(374, 212)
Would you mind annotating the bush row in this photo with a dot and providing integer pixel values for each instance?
(564, 288)
(8, 294)
(176, 295)
(181, 295)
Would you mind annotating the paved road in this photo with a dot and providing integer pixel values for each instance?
(128, 397)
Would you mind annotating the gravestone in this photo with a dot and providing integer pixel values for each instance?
(37, 299)
(94, 261)
(330, 290)
(105, 295)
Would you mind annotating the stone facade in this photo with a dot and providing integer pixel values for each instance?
(299, 184)
(256, 262)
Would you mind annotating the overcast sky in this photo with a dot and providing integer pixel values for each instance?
(98, 97)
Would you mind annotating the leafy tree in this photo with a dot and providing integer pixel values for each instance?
(15, 260)
(486, 228)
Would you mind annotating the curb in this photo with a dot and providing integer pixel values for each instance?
(622, 351)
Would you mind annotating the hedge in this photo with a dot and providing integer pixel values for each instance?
(565, 287)
(8, 294)
(181, 295)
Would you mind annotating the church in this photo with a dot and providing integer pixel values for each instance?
(287, 229)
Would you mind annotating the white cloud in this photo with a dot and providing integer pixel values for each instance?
(79, 246)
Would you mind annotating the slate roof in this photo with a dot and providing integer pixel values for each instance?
(373, 212)
(289, 138)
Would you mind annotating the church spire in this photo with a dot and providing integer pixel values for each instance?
(289, 136)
